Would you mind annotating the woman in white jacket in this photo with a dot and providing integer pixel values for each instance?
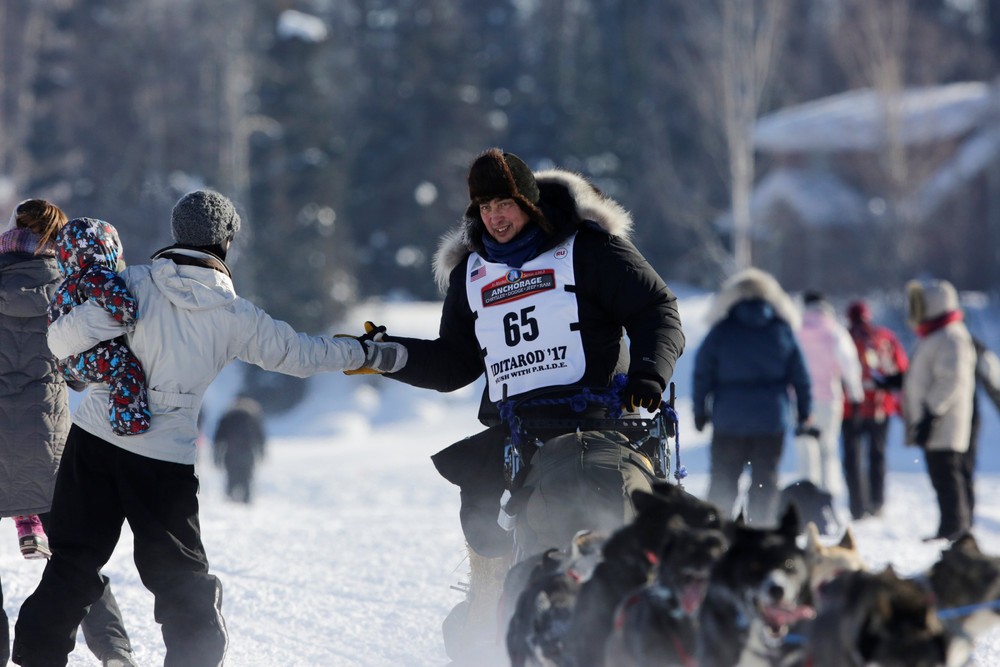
(938, 390)
(190, 325)
(834, 369)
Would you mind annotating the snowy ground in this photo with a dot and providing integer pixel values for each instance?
(347, 555)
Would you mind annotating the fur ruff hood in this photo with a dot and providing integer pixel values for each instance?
(554, 184)
(929, 300)
(753, 284)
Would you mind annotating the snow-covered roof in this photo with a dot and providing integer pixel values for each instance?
(818, 198)
(856, 120)
(974, 155)
(293, 24)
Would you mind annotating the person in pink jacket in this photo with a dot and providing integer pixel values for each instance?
(835, 373)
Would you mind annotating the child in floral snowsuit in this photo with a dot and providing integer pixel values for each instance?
(88, 252)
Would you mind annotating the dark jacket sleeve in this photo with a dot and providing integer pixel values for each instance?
(612, 272)
(703, 382)
(988, 372)
(453, 359)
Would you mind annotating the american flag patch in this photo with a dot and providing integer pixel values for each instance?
(477, 274)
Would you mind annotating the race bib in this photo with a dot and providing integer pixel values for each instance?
(525, 321)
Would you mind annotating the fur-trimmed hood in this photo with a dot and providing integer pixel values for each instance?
(930, 299)
(753, 284)
(567, 200)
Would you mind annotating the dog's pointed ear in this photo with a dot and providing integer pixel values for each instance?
(847, 541)
(741, 519)
(812, 537)
(645, 501)
(660, 493)
(966, 543)
(666, 489)
(552, 560)
(790, 521)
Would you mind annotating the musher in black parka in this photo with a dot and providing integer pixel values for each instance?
(540, 261)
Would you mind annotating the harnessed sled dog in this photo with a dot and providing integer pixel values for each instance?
(585, 479)
(757, 598)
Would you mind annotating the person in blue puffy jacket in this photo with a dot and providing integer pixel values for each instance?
(743, 372)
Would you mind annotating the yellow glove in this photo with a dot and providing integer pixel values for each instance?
(372, 333)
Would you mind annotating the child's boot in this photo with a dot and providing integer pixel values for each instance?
(31, 537)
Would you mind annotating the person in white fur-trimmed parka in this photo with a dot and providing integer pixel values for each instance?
(938, 394)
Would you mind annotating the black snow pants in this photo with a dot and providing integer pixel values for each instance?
(729, 454)
(864, 471)
(103, 628)
(99, 486)
(950, 482)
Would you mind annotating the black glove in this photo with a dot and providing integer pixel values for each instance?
(642, 391)
(699, 422)
(856, 417)
(888, 382)
(924, 428)
(805, 428)
(372, 332)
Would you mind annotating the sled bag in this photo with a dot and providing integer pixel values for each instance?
(578, 481)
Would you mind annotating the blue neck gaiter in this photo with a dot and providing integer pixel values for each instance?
(518, 250)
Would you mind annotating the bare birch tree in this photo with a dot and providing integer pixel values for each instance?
(872, 52)
(733, 47)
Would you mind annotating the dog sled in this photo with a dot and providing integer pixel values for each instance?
(561, 476)
(570, 474)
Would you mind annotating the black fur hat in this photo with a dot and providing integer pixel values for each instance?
(496, 174)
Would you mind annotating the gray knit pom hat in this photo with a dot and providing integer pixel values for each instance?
(204, 218)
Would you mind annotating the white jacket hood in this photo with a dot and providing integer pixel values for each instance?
(930, 299)
(192, 287)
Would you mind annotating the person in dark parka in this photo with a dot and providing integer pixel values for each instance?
(556, 221)
(743, 371)
(238, 445)
(542, 285)
(34, 406)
